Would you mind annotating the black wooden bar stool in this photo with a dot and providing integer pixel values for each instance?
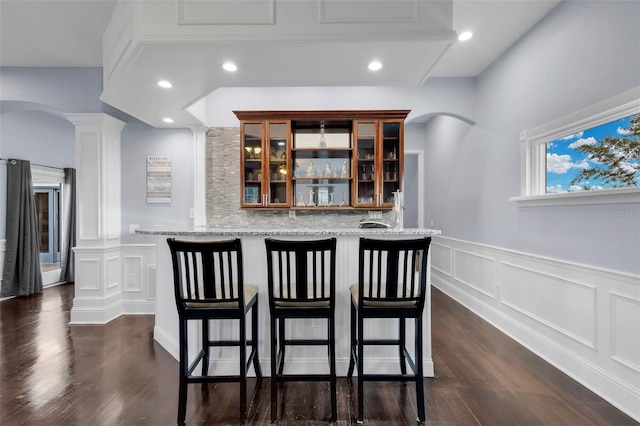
(301, 279)
(209, 285)
(392, 278)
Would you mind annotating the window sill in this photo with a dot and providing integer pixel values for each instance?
(602, 196)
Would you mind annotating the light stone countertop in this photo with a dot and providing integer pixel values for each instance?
(239, 232)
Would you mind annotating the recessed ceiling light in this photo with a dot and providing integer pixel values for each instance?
(229, 66)
(374, 66)
(165, 84)
(167, 120)
(465, 36)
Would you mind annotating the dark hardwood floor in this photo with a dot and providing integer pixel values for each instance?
(52, 373)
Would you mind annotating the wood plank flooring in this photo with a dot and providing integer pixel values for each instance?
(52, 373)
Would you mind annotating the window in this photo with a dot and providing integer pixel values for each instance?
(588, 157)
(605, 156)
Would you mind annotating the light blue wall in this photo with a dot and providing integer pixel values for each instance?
(39, 137)
(138, 142)
(580, 54)
(32, 127)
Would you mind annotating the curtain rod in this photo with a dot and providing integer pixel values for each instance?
(38, 165)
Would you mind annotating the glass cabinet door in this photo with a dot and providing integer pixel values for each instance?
(251, 159)
(278, 164)
(391, 161)
(321, 164)
(366, 192)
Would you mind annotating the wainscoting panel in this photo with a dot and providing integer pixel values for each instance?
(113, 272)
(475, 271)
(625, 323)
(132, 273)
(88, 274)
(441, 258)
(138, 276)
(527, 292)
(583, 320)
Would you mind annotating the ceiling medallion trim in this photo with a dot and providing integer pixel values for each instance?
(336, 14)
(220, 13)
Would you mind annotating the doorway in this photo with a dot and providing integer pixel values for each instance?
(413, 190)
(47, 201)
(47, 192)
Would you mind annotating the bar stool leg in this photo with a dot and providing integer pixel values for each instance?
(332, 368)
(254, 341)
(274, 371)
(243, 369)
(401, 346)
(419, 372)
(360, 370)
(352, 347)
(184, 366)
(205, 348)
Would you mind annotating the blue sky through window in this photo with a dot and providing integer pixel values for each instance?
(565, 160)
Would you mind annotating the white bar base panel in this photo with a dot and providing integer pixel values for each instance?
(583, 320)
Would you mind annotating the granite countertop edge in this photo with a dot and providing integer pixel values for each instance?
(204, 231)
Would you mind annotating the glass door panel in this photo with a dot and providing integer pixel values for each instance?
(251, 138)
(278, 167)
(365, 173)
(391, 167)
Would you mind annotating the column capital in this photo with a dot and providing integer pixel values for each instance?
(96, 122)
(199, 129)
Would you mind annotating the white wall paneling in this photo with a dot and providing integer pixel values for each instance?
(581, 319)
(88, 272)
(138, 275)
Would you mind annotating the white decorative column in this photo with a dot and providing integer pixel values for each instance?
(98, 269)
(200, 176)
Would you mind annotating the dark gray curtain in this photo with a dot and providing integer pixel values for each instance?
(21, 275)
(67, 263)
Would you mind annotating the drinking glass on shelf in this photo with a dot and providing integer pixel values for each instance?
(300, 203)
(345, 170)
(311, 203)
(344, 200)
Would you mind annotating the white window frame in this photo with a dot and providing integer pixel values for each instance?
(533, 154)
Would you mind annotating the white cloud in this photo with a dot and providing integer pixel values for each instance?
(622, 131)
(551, 145)
(575, 135)
(581, 165)
(574, 188)
(554, 189)
(581, 142)
(561, 164)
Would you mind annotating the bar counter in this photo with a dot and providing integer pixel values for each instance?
(303, 359)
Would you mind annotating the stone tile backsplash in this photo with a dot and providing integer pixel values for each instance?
(223, 194)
